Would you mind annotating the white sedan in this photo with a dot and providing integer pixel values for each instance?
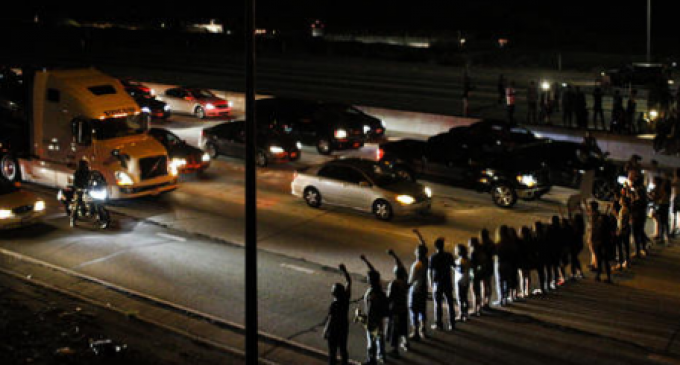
(361, 184)
(18, 208)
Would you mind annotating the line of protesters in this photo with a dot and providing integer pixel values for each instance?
(543, 251)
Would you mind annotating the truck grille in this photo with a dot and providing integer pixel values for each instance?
(153, 167)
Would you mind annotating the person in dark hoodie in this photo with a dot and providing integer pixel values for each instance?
(336, 329)
(397, 297)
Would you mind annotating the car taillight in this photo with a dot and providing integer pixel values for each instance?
(380, 154)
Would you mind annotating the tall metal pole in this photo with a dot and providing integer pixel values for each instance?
(649, 31)
(251, 192)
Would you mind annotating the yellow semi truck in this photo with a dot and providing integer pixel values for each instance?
(84, 114)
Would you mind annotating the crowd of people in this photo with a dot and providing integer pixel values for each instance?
(515, 262)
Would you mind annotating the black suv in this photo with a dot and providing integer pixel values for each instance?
(327, 126)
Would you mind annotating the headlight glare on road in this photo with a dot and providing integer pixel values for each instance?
(5, 213)
(527, 180)
(123, 179)
(209, 106)
(39, 206)
(428, 191)
(405, 199)
(276, 149)
(146, 110)
(205, 157)
(340, 133)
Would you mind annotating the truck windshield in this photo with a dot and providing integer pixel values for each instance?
(117, 127)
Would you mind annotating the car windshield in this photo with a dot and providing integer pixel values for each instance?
(380, 176)
(201, 93)
(6, 188)
(117, 127)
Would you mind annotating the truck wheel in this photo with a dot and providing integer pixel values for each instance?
(199, 112)
(312, 197)
(504, 195)
(9, 168)
(261, 159)
(324, 147)
(382, 210)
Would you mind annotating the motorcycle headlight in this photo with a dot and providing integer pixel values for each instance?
(205, 157)
(276, 149)
(209, 106)
(123, 179)
(405, 199)
(428, 192)
(39, 206)
(146, 110)
(98, 194)
(5, 213)
(340, 133)
(528, 180)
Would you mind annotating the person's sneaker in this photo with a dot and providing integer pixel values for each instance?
(538, 291)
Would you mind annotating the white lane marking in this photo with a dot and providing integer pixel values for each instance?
(298, 268)
(171, 237)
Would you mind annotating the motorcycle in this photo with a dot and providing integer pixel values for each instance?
(90, 208)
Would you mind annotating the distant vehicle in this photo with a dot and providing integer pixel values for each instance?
(639, 74)
(184, 157)
(229, 139)
(201, 103)
(149, 105)
(327, 126)
(18, 208)
(567, 162)
(493, 135)
(449, 157)
(361, 184)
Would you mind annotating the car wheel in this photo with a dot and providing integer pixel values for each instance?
(199, 113)
(261, 159)
(312, 197)
(404, 174)
(211, 149)
(382, 210)
(603, 190)
(324, 147)
(504, 195)
(9, 168)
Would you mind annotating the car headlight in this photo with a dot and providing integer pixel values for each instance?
(298, 145)
(205, 157)
(166, 107)
(98, 194)
(5, 213)
(39, 206)
(340, 133)
(405, 199)
(528, 180)
(146, 110)
(230, 103)
(276, 149)
(428, 192)
(209, 106)
(123, 179)
(367, 129)
(382, 124)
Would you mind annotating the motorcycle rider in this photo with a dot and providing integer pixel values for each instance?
(81, 179)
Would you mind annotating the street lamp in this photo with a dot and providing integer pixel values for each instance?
(649, 31)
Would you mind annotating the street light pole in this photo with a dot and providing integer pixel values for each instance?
(251, 192)
(649, 31)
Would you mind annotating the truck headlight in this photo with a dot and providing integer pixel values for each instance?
(276, 149)
(428, 192)
(405, 199)
(123, 179)
(166, 108)
(205, 157)
(340, 133)
(39, 206)
(528, 180)
(209, 106)
(98, 194)
(5, 213)
(146, 110)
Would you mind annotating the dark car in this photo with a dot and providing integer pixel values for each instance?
(451, 159)
(229, 139)
(639, 74)
(149, 105)
(493, 135)
(328, 127)
(184, 157)
(135, 87)
(567, 162)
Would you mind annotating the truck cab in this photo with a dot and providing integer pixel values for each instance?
(87, 115)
